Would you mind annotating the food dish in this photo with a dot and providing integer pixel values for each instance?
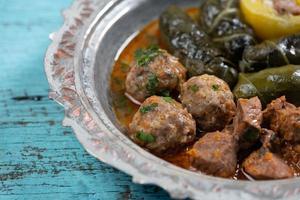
(78, 65)
(190, 102)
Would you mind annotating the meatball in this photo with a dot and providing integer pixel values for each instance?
(162, 125)
(154, 72)
(284, 119)
(263, 164)
(247, 121)
(210, 101)
(215, 154)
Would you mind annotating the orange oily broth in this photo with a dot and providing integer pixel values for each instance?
(124, 109)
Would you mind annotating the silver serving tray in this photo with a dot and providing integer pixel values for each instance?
(78, 64)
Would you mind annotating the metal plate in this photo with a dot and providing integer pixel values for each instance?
(78, 65)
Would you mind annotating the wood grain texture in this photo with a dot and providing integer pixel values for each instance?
(40, 159)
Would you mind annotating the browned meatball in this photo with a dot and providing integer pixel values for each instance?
(284, 119)
(263, 164)
(215, 154)
(162, 124)
(209, 100)
(247, 121)
(155, 71)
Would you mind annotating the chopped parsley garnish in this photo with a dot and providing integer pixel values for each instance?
(148, 108)
(215, 87)
(145, 56)
(124, 67)
(129, 110)
(152, 83)
(145, 137)
(168, 99)
(194, 88)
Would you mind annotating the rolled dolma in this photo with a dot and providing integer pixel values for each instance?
(270, 84)
(187, 41)
(283, 51)
(222, 20)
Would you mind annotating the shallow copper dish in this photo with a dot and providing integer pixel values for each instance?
(78, 64)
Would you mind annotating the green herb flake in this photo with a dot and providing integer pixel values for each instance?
(145, 56)
(129, 110)
(152, 83)
(138, 54)
(168, 99)
(194, 88)
(124, 67)
(145, 137)
(215, 87)
(148, 108)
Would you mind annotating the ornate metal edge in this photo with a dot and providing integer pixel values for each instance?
(64, 83)
(59, 68)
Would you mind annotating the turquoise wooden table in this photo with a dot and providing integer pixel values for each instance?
(40, 159)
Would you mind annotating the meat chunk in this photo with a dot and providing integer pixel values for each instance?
(215, 154)
(284, 119)
(247, 121)
(209, 100)
(270, 140)
(263, 164)
(154, 72)
(162, 124)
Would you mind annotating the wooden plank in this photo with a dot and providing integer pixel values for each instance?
(40, 159)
